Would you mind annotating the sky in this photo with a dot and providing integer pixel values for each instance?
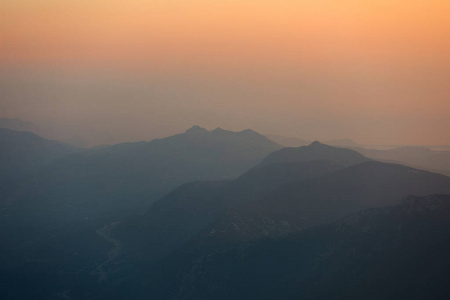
(110, 71)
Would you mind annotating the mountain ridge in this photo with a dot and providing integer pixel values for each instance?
(316, 151)
(24, 152)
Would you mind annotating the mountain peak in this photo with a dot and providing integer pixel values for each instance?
(249, 132)
(316, 151)
(316, 143)
(219, 130)
(196, 130)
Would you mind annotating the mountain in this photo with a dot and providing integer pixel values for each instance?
(273, 200)
(197, 205)
(396, 252)
(316, 151)
(413, 156)
(101, 185)
(71, 236)
(419, 157)
(61, 213)
(130, 176)
(296, 142)
(189, 209)
(276, 198)
(326, 198)
(171, 221)
(24, 152)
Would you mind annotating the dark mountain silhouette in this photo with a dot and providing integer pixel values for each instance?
(414, 156)
(323, 199)
(272, 200)
(399, 252)
(316, 151)
(189, 209)
(196, 205)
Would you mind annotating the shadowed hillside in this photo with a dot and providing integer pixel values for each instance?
(398, 252)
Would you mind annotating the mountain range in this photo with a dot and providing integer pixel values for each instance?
(289, 191)
(217, 215)
(421, 157)
(136, 174)
(55, 213)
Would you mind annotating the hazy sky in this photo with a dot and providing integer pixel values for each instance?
(377, 71)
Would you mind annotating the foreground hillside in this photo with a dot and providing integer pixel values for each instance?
(398, 252)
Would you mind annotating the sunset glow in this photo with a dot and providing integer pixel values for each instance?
(331, 59)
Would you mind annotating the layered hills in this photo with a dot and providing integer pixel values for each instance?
(221, 215)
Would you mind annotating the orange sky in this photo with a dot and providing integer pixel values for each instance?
(70, 31)
(325, 59)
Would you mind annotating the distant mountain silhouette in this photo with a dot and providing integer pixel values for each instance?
(17, 124)
(296, 142)
(316, 151)
(414, 156)
(45, 131)
(399, 252)
(419, 157)
(132, 175)
(23, 152)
